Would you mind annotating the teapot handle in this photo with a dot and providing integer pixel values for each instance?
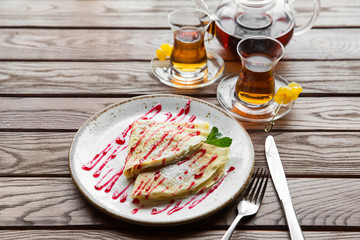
(201, 4)
(308, 26)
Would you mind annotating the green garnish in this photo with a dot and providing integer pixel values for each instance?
(215, 138)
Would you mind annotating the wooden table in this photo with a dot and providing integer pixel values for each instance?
(64, 60)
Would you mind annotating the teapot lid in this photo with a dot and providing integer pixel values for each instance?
(255, 4)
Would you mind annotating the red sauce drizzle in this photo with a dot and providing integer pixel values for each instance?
(143, 188)
(157, 175)
(109, 158)
(98, 184)
(198, 175)
(193, 202)
(110, 182)
(168, 144)
(116, 194)
(191, 185)
(168, 116)
(165, 189)
(138, 188)
(211, 160)
(97, 158)
(120, 140)
(177, 190)
(156, 109)
(202, 151)
(155, 145)
(184, 140)
(207, 194)
(192, 119)
(181, 112)
(187, 107)
(135, 210)
(132, 149)
(153, 133)
(123, 198)
(155, 211)
(147, 196)
(177, 206)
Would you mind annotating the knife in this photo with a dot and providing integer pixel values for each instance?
(279, 179)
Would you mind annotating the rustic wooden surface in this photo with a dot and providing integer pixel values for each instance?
(63, 60)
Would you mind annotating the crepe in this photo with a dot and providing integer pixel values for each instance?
(186, 177)
(154, 144)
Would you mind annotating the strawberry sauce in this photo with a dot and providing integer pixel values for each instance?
(119, 144)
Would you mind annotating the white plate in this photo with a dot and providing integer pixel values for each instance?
(104, 127)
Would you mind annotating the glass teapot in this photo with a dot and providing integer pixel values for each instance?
(238, 19)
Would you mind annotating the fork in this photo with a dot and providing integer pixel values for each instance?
(251, 201)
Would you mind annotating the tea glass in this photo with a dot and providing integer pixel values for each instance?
(249, 95)
(190, 64)
(259, 55)
(188, 58)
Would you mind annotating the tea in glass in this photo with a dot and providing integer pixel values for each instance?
(189, 58)
(255, 86)
(189, 52)
(257, 80)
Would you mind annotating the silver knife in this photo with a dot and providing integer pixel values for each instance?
(279, 180)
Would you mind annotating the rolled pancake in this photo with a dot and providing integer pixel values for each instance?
(154, 144)
(189, 176)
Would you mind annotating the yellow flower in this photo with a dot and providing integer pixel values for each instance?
(164, 51)
(296, 89)
(161, 54)
(288, 93)
(167, 49)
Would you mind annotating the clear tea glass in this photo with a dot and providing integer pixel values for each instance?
(259, 55)
(189, 57)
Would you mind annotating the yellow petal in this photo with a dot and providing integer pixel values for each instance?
(161, 55)
(283, 95)
(296, 89)
(167, 49)
(294, 85)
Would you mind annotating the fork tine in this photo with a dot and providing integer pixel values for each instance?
(250, 198)
(258, 190)
(262, 188)
(250, 184)
(250, 207)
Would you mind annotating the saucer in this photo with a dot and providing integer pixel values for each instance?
(227, 97)
(162, 70)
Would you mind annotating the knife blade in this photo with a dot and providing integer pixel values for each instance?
(279, 179)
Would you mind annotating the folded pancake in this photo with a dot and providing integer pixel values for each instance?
(188, 176)
(154, 144)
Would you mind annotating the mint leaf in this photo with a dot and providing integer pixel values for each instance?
(215, 138)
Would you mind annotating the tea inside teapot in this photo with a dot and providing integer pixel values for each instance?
(239, 19)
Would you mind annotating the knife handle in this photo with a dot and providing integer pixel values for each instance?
(294, 227)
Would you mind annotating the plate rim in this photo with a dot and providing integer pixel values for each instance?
(162, 223)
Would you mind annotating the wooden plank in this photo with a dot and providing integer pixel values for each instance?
(104, 78)
(34, 153)
(319, 203)
(309, 113)
(166, 234)
(149, 14)
(119, 45)
(302, 153)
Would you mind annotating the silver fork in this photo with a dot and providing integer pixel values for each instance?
(251, 201)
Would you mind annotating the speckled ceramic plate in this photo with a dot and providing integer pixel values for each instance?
(98, 152)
